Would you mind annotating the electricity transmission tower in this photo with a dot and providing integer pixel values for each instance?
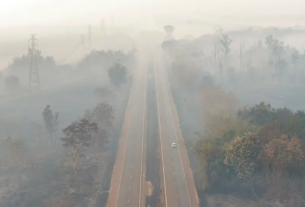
(34, 75)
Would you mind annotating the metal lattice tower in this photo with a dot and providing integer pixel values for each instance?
(34, 75)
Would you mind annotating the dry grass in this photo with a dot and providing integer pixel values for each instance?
(218, 102)
(60, 201)
(220, 112)
(229, 201)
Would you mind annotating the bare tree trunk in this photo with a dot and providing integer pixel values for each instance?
(19, 179)
(55, 137)
(74, 163)
(50, 138)
(255, 195)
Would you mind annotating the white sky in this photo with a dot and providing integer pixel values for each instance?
(60, 12)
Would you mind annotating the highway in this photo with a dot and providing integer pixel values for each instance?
(127, 184)
(128, 175)
(179, 187)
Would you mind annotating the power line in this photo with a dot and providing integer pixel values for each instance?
(34, 75)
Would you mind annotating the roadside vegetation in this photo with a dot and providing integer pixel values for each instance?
(115, 64)
(257, 151)
(246, 147)
(50, 161)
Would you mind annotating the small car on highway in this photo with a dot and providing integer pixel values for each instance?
(174, 145)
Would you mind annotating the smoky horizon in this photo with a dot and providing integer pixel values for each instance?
(152, 103)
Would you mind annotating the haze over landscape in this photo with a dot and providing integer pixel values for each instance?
(152, 103)
(57, 21)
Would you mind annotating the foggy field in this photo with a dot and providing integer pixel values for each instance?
(33, 127)
(277, 96)
(238, 97)
(72, 99)
(151, 103)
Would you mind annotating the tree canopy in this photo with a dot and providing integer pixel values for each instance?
(78, 137)
(265, 149)
(117, 74)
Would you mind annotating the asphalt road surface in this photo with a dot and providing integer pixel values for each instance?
(127, 180)
(179, 186)
(127, 188)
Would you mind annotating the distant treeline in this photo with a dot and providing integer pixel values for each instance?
(239, 57)
(94, 61)
(99, 60)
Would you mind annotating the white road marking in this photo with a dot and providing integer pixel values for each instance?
(130, 176)
(143, 130)
(160, 136)
(131, 99)
(173, 122)
(172, 164)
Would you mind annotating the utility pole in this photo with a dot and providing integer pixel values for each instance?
(215, 57)
(89, 36)
(34, 75)
(102, 26)
(241, 57)
(83, 41)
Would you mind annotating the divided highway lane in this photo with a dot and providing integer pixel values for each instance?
(127, 180)
(179, 187)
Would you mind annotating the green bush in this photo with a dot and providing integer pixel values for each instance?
(259, 147)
